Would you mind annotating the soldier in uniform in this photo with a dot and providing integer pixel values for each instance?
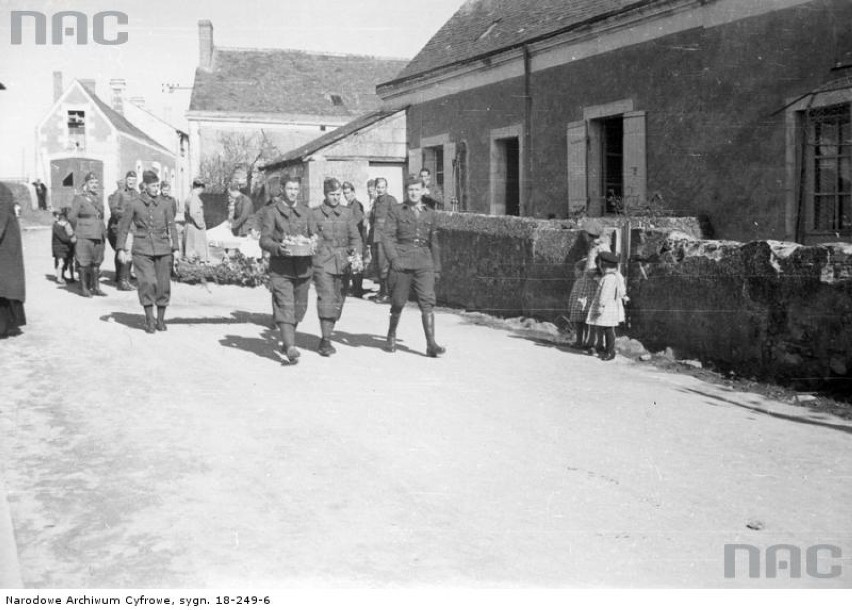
(411, 242)
(289, 276)
(118, 203)
(378, 213)
(338, 239)
(243, 209)
(87, 218)
(155, 244)
(355, 280)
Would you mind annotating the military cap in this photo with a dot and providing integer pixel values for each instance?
(149, 177)
(608, 258)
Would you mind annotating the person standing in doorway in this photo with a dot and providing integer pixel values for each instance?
(289, 275)
(41, 193)
(411, 242)
(378, 215)
(338, 239)
(433, 197)
(155, 245)
(87, 218)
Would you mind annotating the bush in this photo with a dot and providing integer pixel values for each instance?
(236, 269)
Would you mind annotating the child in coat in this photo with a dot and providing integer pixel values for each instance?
(63, 241)
(607, 308)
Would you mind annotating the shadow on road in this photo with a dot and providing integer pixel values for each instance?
(754, 409)
(265, 346)
(371, 341)
(132, 320)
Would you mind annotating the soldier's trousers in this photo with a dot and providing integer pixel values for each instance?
(381, 265)
(400, 284)
(330, 295)
(153, 277)
(89, 252)
(289, 298)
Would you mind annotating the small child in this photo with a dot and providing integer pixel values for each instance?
(63, 246)
(607, 307)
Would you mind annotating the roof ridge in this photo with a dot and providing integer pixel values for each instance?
(308, 52)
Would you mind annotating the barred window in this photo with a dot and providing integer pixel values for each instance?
(828, 159)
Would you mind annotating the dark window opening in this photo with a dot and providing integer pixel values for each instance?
(68, 180)
(336, 100)
(76, 121)
(513, 176)
(830, 168)
(612, 140)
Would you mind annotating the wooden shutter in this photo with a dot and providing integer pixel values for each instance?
(577, 175)
(635, 165)
(449, 173)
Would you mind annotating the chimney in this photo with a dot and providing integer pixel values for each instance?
(57, 85)
(88, 84)
(205, 44)
(118, 85)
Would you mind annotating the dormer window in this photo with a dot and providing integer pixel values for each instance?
(77, 129)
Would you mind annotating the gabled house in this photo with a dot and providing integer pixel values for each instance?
(82, 133)
(275, 99)
(369, 147)
(735, 110)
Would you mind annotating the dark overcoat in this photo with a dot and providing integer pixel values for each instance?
(12, 285)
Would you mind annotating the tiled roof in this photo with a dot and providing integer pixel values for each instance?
(483, 27)
(332, 137)
(283, 81)
(121, 123)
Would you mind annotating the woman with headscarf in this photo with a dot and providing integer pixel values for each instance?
(12, 284)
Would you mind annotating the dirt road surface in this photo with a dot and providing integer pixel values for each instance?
(194, 458)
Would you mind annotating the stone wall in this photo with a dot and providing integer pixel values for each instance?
(765, 308)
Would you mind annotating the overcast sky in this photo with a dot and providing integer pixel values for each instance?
(162, 48)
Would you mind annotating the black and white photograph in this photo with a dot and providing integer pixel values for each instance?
(457, 295)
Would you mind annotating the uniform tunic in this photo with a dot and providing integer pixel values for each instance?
(243, 208)
(338, 236)
(411, 243)
(152, 223)
(289, 276)
(378, 217)
(87, 218)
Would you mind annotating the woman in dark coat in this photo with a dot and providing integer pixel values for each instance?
(12, 286)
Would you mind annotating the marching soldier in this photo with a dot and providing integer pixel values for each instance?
(378, 214)
(289, 276)
(411, 243)
(155, 244)
(87, 218)
(338, 239)
(118, 203)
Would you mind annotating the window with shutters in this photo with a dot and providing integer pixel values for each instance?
(607, 171)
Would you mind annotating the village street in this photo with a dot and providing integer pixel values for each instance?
(194, 458)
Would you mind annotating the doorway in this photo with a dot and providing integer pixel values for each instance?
(66, 179)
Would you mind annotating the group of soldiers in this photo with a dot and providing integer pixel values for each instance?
(402, 239)
(404, 250)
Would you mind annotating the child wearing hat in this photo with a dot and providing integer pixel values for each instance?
(587, 276)
(607, 307)
(62, 243)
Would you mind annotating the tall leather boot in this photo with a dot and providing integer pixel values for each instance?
(433, 350)
(96, 282)
(85, 273)
(325, 347)
(161, 318)
(358, 286)
(123, 275)
(150, 325)
(391, 338)
(383, 297)
(288, 340)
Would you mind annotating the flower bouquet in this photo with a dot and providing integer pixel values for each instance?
(299, 245)
(356, 263)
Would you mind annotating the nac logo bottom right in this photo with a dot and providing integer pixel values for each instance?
(818, 561)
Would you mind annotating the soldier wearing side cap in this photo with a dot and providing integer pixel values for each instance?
(338, 239)
(87, 218)
(151, 221)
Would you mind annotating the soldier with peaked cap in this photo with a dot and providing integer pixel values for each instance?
(151, 221)
(338, 235)
(289, 276)
(411, 243)
(87, 218)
